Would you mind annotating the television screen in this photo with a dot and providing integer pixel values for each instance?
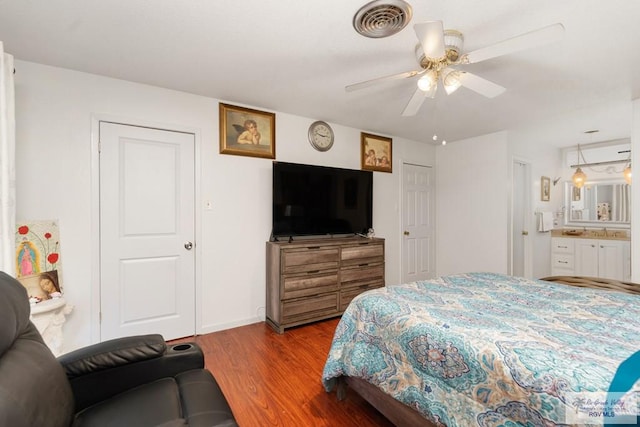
(318, 200)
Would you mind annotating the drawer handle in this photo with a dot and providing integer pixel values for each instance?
(563, 262)
(313, 247)
(363, 243)
(562, 247)
(363, 265)
(313, 271)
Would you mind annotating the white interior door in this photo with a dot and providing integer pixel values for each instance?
(521, 262)
(518, 219)
(418, 257)
(147, 265)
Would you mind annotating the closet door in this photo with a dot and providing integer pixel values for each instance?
(147, 229)
(418, 243)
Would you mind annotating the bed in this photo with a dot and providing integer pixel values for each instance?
(484, 349)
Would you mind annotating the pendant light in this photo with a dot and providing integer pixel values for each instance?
(627, 174)
(579, 177)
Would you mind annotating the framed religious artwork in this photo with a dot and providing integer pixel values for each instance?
(247, 132)
(376, 152)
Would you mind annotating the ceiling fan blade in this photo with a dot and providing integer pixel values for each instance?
(480, 85)
(431, 36)
(535, 38)
(417, 100)
(367, 83)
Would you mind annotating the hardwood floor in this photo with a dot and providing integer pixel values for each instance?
(275, 380)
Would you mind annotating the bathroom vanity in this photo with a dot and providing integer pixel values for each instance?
(591, 253)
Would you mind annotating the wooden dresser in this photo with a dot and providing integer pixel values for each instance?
(309, 280)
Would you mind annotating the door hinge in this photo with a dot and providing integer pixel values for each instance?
(99, 146)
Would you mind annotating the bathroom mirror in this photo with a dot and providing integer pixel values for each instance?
(598, 203)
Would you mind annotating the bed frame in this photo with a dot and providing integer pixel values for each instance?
(395, 411)
(596, 283)
(403, 415)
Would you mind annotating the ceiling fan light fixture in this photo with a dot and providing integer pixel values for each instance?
(438, 49)
(453, 41)
(451, 81)
(427, 82)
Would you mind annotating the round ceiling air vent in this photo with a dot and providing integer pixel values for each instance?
(382, 18)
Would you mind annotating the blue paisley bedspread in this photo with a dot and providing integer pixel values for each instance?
(484, 349)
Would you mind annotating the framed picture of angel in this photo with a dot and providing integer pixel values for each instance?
(375, 152)
(247, 132)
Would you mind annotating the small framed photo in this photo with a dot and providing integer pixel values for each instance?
(575, 194)
(545, 188)
(247, 132)
(375, 152)
(42, 286)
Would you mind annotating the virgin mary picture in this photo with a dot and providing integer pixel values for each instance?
(27, 264)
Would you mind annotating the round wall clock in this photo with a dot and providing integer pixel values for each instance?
(321, 136)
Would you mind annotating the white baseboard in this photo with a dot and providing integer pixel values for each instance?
(207, 329)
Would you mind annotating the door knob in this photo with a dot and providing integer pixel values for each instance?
(406, 233)
(525, 233)
(188, 246)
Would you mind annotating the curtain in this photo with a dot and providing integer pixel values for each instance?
(7, 164)
(621, 203)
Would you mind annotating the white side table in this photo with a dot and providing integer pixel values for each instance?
(48, 316)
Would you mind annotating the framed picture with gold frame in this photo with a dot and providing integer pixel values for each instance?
(545, 188)
(376, 152)
(247, 132)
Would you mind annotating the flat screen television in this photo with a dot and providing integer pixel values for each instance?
(318, 200)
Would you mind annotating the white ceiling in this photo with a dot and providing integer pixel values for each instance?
(297, 56)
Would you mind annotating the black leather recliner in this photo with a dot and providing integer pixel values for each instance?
(128, 382)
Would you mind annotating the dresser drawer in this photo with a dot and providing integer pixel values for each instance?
(562, 246)
(359, 275)
(306, 308)
(346, 296)
(362, 254)
(310, 260)
(301, 286)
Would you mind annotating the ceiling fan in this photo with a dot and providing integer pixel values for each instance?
(440, 50)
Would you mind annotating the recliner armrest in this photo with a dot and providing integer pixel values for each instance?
(115, 366)
(111, 354)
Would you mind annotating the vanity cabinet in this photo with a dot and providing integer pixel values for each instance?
(310, 280)
(605, 258)
(602, 258)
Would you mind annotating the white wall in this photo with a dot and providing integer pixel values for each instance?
(54, 113)
(472, 209)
